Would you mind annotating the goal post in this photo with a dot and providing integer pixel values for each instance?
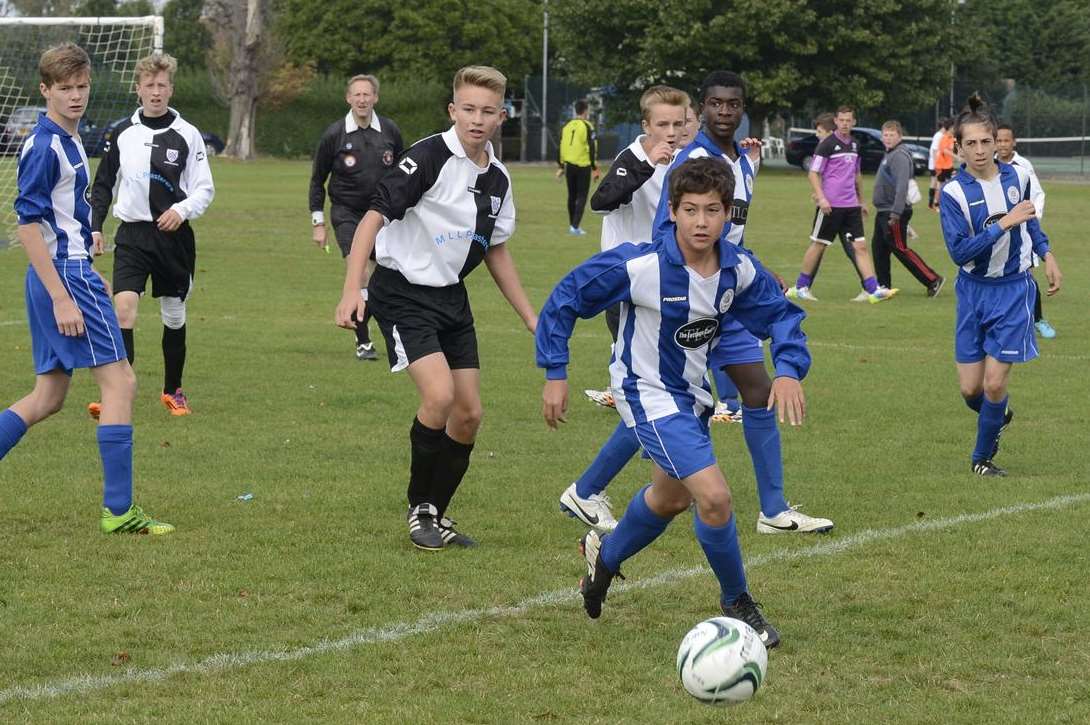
(114, 44)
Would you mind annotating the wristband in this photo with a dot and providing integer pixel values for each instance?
(317, 218)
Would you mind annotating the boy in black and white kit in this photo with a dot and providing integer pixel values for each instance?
(157, 166)
(445, 208)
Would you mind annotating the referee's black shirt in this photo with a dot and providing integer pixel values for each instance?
(357, 158)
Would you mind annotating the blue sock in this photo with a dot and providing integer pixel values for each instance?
(12, 429)
(975, 403)
(720, 544)
(870, 284)
(115, 447)
(988, 424)
(637, 528)
(763, 441)
(614, 455)
(724, 386)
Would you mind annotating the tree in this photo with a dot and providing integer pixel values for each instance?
(793, 53)
(426, 38)
(185, 37)
(238, 27)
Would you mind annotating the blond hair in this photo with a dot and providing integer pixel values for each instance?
(362, 77)
(62, 62)
(662, 94)
(896, 126)
(481, 75)
(154, 64)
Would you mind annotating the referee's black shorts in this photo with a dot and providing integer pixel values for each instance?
(345, 219)
(143, 250)
(418, 320)
(847, 221)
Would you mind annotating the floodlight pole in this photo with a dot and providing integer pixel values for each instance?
(545, 82)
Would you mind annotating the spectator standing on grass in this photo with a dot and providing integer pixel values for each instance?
(353, 154)
(893, 211)
(1005, 145)
(577, 157)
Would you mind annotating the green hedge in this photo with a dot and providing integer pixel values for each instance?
(418, 107)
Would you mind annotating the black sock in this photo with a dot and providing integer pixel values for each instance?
(449, 471)
(1038, 313)
(427, 446)
(362, 336)
(930, 198)
(130, 347)
(173, 358)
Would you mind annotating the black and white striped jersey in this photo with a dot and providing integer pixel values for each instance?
(629, 196)
(151, 165)
(442, 211)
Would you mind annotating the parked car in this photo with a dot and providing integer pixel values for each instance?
(95, 144)
(800, 151)
(22, 121)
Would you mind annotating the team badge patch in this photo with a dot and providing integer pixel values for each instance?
(726, 301)
(696, 334)
(1012, 194)
(172, 155)
(496, 204)
(350, 161)
(388, 157)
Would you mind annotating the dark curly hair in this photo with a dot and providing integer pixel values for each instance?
(699, 176)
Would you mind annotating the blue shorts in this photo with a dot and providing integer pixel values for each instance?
(680, 443)
(737, 346)
(995, 319)
(101, 343)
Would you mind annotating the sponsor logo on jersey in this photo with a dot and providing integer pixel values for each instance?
(726, 301)
(408, 166)
(622, 171)
(388, 158)
(675, 299)
(200, 156)
(1013, 195)
(696, 334)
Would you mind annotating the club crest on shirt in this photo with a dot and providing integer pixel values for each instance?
(349, 161)
(726, 301)
(387, 158)
(496, 205)
(1012, 194)
(695, 334)
(172, 155)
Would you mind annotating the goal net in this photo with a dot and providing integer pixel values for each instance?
(114, 45)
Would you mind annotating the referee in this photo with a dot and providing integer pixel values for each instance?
(158, 164)
(353, 154)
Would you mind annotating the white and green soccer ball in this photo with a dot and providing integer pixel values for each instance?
(722, 661)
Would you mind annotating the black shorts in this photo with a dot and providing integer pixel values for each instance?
(944, 175)
(170, 258)
(847, 221)
(418, 320)
(345, 219)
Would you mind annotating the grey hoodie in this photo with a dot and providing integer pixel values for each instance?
(891, 183)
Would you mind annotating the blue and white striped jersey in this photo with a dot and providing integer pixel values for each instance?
(54, 190)
(670, 323)
(971, 209)
(744, 174)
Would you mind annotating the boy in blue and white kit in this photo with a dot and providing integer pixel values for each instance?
(675, 294)
(991, 231)
(72, 323)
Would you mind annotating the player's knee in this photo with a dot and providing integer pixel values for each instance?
(755, 392)
(438, 403)
(971, 392)
(995, 388)
(467, 417)
(714, 507)
(172, 311)
(48, 403)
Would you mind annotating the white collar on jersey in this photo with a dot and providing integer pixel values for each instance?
(136, 116)
(450, 136)
(350, 124)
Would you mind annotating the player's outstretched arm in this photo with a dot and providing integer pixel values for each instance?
(355, 276)
(502, 268)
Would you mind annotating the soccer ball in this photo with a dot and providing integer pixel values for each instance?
(722, 661)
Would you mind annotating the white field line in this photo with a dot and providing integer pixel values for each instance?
(10, 323)
(227, 661)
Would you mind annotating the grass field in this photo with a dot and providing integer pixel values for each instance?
(939, 598)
